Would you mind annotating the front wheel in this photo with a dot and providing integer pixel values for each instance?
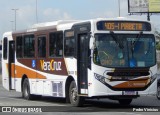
(75, 100)
(158, 91)
(125, 101)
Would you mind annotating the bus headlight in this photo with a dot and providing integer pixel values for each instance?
(100, 78)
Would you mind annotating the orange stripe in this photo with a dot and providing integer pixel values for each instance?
(133, 84)
(20, 71)
(7, 67)
(13, 70)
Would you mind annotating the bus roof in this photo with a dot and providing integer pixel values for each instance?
(67, 24)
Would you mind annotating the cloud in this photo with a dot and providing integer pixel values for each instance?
(66, 16)
(26, 16)
(51, 14)
(107, 14)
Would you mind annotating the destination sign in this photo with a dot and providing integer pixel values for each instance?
(69, 33)
(123, 26)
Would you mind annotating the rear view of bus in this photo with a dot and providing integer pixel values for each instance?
(124, 58)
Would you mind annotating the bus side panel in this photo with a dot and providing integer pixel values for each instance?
(8, 59)
(5, 73)
(18, 84)
(23, 71)
(5, 78)
(13, 75)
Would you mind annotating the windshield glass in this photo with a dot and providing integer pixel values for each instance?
(136, 52)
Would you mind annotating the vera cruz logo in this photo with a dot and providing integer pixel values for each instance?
(51, 65)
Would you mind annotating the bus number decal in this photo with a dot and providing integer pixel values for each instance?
(50, 65)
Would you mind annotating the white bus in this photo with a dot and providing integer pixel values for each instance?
(98, 58)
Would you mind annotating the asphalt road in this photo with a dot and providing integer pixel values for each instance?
(12, 98)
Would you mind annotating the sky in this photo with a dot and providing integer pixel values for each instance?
(52, 10)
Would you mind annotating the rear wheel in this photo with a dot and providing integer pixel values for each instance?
(158, 91)
(125, 101)
(75, 100)
(26, 90)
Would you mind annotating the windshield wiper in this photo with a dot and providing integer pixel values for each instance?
(135, 42)
(115, 38)
(138, 37)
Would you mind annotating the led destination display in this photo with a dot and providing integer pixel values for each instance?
(123, 26)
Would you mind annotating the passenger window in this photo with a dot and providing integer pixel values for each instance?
(69, 43)
(29, 49)
(19, 47)
(69, 47)
(56, 44)
(5, 43)
(42, 47)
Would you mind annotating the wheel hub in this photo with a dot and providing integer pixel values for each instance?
(26, 91)
(74, 94)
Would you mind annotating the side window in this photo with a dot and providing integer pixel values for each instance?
(69, 47)
(59, 44)
(5, 44)
(29, 49)
(42, 47)
(69, 43)
(56, 44)
(19, 47)
(52, 45)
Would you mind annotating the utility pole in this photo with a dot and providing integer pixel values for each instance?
(148, 16)
(36, 12)
(15, 10)
(119, 8)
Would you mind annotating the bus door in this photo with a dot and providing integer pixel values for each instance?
(82, 63)
(41, 57)
(11, 65)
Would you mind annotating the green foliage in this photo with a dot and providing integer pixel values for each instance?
(158, 46)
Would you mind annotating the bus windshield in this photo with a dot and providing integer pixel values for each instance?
(136, 52)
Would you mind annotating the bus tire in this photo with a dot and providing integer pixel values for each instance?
(75, 100)
(26, 90)
(158, 92)
(125, 101)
